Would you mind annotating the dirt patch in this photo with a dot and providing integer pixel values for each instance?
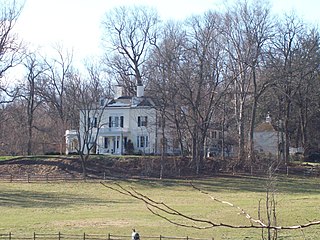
(124, 167)
(97, 166)
(90, 224)
(39, 166)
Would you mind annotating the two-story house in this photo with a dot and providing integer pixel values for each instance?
(132, 125)
(125, 124)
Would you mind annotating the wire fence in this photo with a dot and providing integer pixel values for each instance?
(85, 236)
(308, 171)
(311, 171)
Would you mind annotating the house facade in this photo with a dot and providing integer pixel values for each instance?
(266, 138)
(132, 125)
(123, 125)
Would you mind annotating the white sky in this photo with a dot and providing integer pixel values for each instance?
(76, 24)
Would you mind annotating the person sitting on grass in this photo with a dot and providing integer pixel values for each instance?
(135, 235)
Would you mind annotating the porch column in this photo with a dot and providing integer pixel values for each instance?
(121, 143)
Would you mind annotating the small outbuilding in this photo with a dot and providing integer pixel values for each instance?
(266, 138)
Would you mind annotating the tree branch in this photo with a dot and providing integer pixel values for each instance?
(164, 211)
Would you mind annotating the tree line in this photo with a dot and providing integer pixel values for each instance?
(224, 69)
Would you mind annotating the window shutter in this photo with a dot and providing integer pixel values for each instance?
(121, 121)
(110, 122)
(138, 141)
(95, 123)
(145, 121)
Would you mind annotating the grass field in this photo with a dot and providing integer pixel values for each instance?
(89, 207)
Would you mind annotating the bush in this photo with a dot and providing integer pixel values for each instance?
(313, 157)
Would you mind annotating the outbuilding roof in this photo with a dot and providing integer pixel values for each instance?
(264, 127)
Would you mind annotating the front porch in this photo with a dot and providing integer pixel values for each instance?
(112, 141)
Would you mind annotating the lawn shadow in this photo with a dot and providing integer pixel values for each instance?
(236, 183)
(34, 199)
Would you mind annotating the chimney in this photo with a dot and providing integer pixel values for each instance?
(140, 91)
(118, 91)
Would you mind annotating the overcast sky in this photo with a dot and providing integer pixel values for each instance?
(76, 24)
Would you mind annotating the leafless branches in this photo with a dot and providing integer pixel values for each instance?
(131, 33)
(178, 218)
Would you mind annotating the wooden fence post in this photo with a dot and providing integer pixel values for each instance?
(11, 178)
(109, 236)
(160, 237)
(28, 178)
(34, 236)
(59, 236)
(9, 235)
(84, 236)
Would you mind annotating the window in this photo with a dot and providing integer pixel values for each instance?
(102, 102)
(176, 143)
(106, 142)
(214, 134)
(92, 123)
(142, 141)
(162, 122)
(142, 121)
(116, 121)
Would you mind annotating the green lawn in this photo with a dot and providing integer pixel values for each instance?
(90, 207)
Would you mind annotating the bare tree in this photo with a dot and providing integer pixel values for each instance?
(29, 92)
(10, 46)
(290, 69)
(58, 72)
(247, 30)
(163, 85)
(83, 97)
(130, 33)
(200, 79)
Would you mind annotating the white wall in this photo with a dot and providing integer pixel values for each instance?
(266, 142)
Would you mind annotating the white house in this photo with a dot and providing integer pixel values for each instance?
(122, 125)
(266, 138)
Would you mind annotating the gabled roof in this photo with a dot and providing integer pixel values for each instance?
(264, 127)
(145, 102)
(120, 102)
(128, 101)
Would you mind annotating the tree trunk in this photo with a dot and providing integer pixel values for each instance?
(286, 132)
(163, 146)
(241, 151)
(84, 159)
(251, 130)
